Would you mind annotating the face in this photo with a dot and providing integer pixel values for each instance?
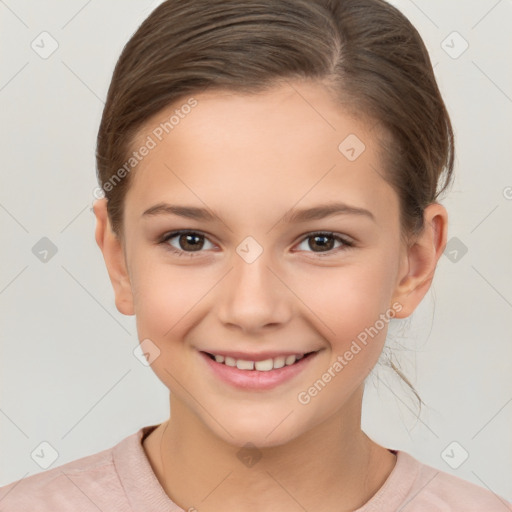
(255, 276)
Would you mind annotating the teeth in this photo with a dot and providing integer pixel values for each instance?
(245, 365)
(262, 366)
(291, 359)
(279, 362)
(229, 361)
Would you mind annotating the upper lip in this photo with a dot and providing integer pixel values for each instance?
(257, 356)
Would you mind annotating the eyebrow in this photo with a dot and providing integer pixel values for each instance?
(303, 215)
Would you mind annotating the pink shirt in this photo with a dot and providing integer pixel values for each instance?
(120, 479)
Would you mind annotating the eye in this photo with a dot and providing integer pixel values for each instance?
(190, 242)
(325, 241)
(187, 242)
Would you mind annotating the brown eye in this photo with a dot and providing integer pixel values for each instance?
(186, 242)
(325, 243)
(190, 242)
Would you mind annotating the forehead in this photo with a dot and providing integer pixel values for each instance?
(292, 143)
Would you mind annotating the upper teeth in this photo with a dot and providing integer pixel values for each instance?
(262, 366)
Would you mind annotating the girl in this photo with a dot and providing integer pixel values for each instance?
(271, 170)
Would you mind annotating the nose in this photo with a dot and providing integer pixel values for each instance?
(253, 296)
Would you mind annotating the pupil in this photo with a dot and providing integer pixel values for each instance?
(324, 246)
(188, 237)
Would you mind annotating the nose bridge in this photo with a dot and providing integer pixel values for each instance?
(252, 296)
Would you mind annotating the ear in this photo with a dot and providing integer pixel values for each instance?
(114, 257)
(419, 261)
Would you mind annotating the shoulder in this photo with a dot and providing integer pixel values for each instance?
(436, 490)
(77, 485)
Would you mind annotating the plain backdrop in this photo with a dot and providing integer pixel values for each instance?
(68, 373)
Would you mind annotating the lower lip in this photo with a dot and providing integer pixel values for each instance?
(254, 379)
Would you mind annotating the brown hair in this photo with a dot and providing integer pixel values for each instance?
(366, 52)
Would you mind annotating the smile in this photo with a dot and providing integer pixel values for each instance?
(257, 375)
(265, 365)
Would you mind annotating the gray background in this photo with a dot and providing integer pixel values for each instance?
(68, 373)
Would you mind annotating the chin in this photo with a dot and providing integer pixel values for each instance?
(260, 434)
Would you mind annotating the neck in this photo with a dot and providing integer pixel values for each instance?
(333, 466)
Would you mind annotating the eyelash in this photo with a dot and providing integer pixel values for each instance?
(347, 244)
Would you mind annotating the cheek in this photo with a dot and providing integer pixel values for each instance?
(350, 298)
(166, 297)
(166, 302)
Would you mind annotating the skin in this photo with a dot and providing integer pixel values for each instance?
(250, 159)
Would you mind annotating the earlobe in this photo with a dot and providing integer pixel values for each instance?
(420, 260)
(114, 257)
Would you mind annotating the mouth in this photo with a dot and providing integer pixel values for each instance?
(262, 373)
(259, 364)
